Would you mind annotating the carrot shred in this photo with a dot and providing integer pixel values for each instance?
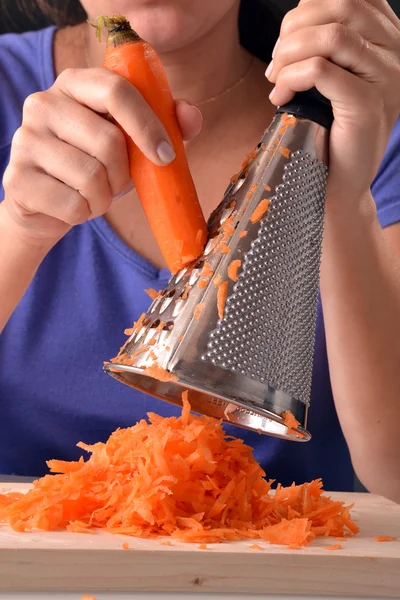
(385, 538)
(186, 289)
(266, 187)
(255, 547)
(152, 293)
(202, 283)
(340, 539)
(178, 478)
(207, 270)
(334, 547)
(125, 546)
(203, 547)
(157, 372)
(291, 423)
(87, 597)
(233, 269)
(221, 298)
(260, 211)
(285, 152)
(243, 234)
(218, 280)
(198, 310)
(139, 323)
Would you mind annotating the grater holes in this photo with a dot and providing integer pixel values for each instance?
(142, 330)
(180, 275)
(274, 288)
(168, 296)
(194, 276)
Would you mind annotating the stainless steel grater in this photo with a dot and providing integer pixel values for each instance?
(247, 360)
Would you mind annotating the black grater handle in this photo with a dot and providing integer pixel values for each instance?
(310, 105)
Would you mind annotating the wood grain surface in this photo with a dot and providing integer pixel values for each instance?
(61, 561)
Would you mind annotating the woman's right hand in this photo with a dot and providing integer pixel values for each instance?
(69, 160)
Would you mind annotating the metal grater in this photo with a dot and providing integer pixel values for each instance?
(254, 363)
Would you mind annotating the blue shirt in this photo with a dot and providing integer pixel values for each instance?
(89, 288)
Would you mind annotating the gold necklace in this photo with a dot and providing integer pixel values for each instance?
(230, 88)
(201, 102)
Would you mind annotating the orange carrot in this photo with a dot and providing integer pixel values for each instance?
(218, 280)
(152, 293)
(266, 187)
(260, 211)
(125, 546)
(243, 234)
(87, 597)
(198, 310)
(203, 547)
(177, 477)
(202, 283)
(167, 193)
(385, 538)
(221, 298)
(233, 269)
(334, 547)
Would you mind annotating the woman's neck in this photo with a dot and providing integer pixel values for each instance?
(203, 69)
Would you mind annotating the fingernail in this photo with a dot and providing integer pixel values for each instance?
(166, 152)
(126, 191)
(269, 69)
(272, 94)
(275, 47)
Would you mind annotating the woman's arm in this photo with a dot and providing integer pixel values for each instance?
(360, 287)
(351, 52)
(19, 262)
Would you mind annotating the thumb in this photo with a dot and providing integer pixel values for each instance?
(189, 118)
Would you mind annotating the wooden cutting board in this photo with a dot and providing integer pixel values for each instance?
(64, 561)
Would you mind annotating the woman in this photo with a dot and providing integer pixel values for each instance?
(76, 252)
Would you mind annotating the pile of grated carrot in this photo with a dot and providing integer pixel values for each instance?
(180, 477)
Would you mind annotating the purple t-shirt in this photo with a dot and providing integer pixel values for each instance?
(53, 392)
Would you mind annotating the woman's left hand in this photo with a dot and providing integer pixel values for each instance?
(350, 51)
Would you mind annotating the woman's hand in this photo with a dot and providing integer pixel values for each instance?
(69, 161)
(350, 51)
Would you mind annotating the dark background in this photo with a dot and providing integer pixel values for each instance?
(15, 21)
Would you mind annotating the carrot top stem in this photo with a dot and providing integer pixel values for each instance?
(119, 30)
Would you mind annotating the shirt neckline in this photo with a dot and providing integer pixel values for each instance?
(100, 225)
